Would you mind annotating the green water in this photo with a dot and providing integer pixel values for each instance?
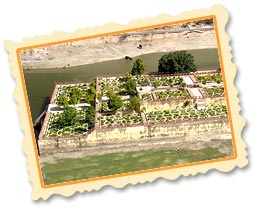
(40, 82)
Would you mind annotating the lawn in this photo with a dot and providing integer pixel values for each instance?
(101, 165)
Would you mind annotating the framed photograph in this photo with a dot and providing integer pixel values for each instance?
(129, 103)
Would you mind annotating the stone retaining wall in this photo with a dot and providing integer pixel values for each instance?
(191, 131)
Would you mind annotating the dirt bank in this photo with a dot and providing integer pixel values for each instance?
(118, 46)
(221, 141)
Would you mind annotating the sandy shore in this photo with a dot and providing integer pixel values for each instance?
(116, 47)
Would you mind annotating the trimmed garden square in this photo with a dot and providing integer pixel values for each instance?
(214, 91)
(120, 119)
(54, 129)
(181, 114)
(174, 93)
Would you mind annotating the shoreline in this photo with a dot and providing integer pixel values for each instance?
(104, 61)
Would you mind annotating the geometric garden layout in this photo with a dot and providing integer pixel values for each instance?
(186, 90)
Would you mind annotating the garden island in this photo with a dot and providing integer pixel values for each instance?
(176, 103)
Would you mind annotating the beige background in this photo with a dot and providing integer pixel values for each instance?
(230, 70)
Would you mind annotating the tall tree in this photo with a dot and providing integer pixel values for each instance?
(138, 67)
(177, 62)
(114, 102)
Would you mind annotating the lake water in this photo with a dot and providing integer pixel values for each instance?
(40, 82)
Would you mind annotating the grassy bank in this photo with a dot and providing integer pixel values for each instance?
(95, 166)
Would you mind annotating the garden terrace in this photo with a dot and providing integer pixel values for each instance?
(215, 91)
(54, 129)
(209, 78)
(173, 93)
(171, 81)
(114, 83)
(66, 90)
(185, 114)
(103, 106)
(154, 88)
(120, 119)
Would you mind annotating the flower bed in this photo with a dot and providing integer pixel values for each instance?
(166, 81)
(147, 97)
(53, 128)
(66, 90)
(120, 119)
(172, 94)
(114, 83)
(210, 78)
(214, 91)
(181, 114)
